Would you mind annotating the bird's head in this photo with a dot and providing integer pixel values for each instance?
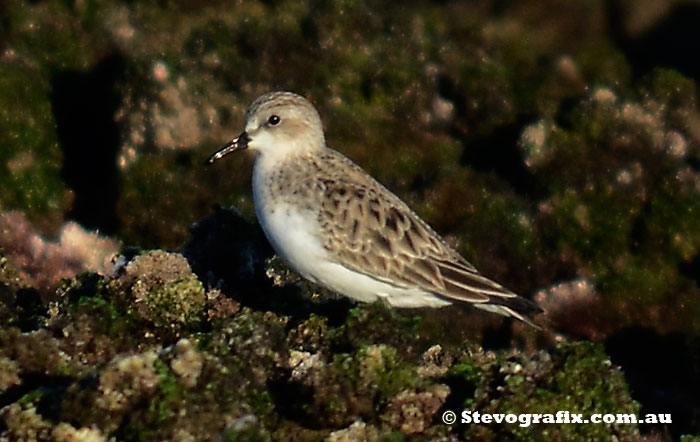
(278, 123)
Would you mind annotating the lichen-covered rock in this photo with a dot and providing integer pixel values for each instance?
(357, 431)
(219, 306)
(351, 386)
(574, 306)
(311, 335)
(254, 343)
(412, 411)
(247, 427)
(435, 363)
(9, 373)
(255, 376)
(10, 279)
(35, 353)
(25, 424)
(187, 363)
(163, 290)
(578, 378)
(95, 323)
(67, 433)
(608, 221)
(125, 381)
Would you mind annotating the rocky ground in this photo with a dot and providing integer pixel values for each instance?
(556, 145)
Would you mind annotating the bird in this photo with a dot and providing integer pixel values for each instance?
(340, 228)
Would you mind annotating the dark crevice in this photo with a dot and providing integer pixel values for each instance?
(661, 373)
(49, 386)
(691, 269)
(84, 105)
(670, 43)
(498, 153)
(282, 390)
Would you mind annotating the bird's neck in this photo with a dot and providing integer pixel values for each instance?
(267, 163)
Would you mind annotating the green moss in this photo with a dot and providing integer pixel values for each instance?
(161, 289)
(54, 33)
(160, 411)
(681, 232)
(311, 335)
(114, 322)
(41, 39)
(376, 323)
(252, 343)
(395, 436)
(675, 90)
(91, 309)
(169, 390)
(30, 160)
(588, 377)
(465, 370)
(179, 302)
(603, 65)
(579, 379)
(261, 403)
(614, 169)
(376, 373)
(31, 398)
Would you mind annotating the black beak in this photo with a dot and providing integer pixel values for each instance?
(238, 143)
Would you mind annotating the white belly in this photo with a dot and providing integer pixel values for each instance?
(295, 236)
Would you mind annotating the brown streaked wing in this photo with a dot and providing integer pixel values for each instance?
(388, 241)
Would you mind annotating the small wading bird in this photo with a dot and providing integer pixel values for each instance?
(338, 227)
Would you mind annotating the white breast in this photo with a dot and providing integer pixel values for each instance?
(292, 233)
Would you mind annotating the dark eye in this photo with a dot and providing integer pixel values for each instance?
(273, 120)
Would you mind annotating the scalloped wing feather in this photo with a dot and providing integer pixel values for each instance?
(373, 232)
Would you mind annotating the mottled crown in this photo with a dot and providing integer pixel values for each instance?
(273, 100)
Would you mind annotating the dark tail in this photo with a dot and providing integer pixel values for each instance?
(516, 307)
